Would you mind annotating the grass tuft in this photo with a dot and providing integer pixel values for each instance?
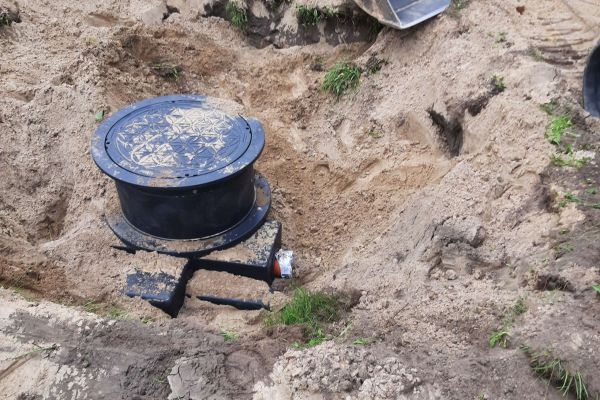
(229, 336)
(237, 15)
(501, 38)
(563, 249)
(557, 128)
(362, 342)
(498, 85)
(569, 198)
(499, 337)
(167, 71)
(375, 133)
(317, 338)
(520, 307)
(341, 77)
(569, 161)
(310, 16)
(7, 17)
(502, 335)
(458, 6)
(99, 116)
(555, 371)
(310, 309)
(105, 310)
(536, 54)
(549, 107)
(596, 288)
(5, 20)
(26, 294)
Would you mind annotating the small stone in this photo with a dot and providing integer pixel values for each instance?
(451, 275)
(478, 236)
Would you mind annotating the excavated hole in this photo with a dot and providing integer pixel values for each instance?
(553, 282)
(347, 25)
(281, 91)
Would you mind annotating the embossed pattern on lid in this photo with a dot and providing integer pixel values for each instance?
(175, 141)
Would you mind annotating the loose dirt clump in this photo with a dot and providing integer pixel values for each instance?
(331, 369)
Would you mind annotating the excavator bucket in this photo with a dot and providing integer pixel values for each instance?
(402, 14)
(591, 83)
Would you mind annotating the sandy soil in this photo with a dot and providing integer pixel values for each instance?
(440, 235)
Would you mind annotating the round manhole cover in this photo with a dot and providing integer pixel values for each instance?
(175, 141)
(184, 173)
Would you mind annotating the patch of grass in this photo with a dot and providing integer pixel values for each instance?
(92, 307)
(4, 20)
(502, 335)
(375, 133)
(317, 338)
(161, 380)
(501, 38)
(310, 16)
(459, 5)
(26, 294)
(341, 77)
(549, 107)
(557, 127)
(146, 320)
(520, 307)
(536, 54)
(591, 191)
(564, 248)
(596, 288)
(171, 72)
(105, 310)
(499, 337)
(569, 198)
(115, 312)
(310, 309)
(7, 18)
(498, 85)
(229, 336)
(236, 14)
(555, 371)
(569, 161)
(362, 342)
(481, 397)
